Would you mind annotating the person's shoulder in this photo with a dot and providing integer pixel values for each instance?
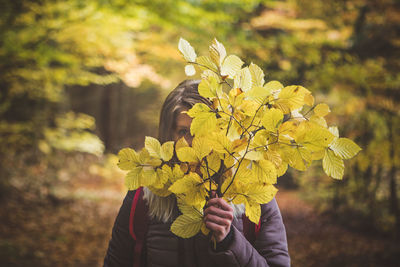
(269, 209)
(130, 195)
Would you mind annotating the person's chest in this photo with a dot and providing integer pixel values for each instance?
(163, 248)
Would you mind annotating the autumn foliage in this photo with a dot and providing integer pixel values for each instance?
(242, 142)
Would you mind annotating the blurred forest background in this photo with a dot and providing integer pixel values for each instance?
(80, 80)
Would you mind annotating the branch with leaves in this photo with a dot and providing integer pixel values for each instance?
(242, 143)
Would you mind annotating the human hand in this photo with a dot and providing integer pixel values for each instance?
(218, 217)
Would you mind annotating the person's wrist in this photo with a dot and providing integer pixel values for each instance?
(224, 243)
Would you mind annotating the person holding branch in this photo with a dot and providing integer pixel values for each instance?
(227, 243)
(203, 193)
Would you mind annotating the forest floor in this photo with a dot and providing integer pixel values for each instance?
(75, 231)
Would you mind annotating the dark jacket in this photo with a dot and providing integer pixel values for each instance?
(162, 248)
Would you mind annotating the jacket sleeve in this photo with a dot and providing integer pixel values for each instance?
(121, 245)
(270, 248)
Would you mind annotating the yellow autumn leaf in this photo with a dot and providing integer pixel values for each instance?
(334, 130)
(262, 193)
(213, 164)
(138, 177)
(201, 147)
(133, 180)
(248, 108)
(181, 143)
(188, 210)
(161, 192)
(149, 177)
(217, 52)
(321, 110)
(220, 143)
(254, 155)
(190, 70)
(164, 174)
(257, 75)
(187, 50)
(186, 154)
(253, 211)
(235, 97)
(288, 128)
(265, 171)
(317, 155)
(209, 73)
(231, 65)
(153, 146)
(205, 63)
(318, 120)
(273, 156)
(333, 165)
(210, 88)
(313, 136)
(167, 150)
(127, 159)
(238, 145)
(260, 139)
(272, 119)
(296, 156)
(237, 182)
(344, 148)
(177, 173)
(204, 119)
(291, 98)
(242, 79)
(273, 86)
(189, 183)
(186, 226)
(282, 168)
(309, 99)
(258, 94)
(144, 156)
